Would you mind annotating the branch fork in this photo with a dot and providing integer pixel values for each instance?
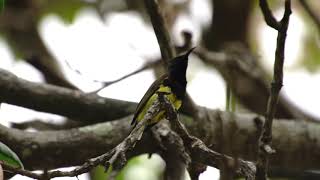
(196, 146)
(265, 138)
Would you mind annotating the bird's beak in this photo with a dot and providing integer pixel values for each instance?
(189, 52)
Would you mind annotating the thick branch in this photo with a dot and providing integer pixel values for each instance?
(290, 138)
(62, 101)
(313, 15)
(248, 81)
(73, 104)
(198, 148)
(172, 150)
(41, 125)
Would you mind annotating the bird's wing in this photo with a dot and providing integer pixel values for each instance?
(152, 89)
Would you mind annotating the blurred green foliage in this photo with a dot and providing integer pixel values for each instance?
(310, 59)
(2, 5)
(139, 167)
(142, 168)
(311, 55)
(66, 10)
(99, 172)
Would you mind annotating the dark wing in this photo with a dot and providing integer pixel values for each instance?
(152, 89)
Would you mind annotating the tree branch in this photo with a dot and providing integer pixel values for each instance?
(144, 67)
(115, 157)
(313, 15)
(268, 16)
(175, 166)
(264, 149)
(41, 125)
(111, 157)
(19, 25)
(197, 147)
(162, 34)
(57, 147)
(74, 104)
(248, 81)
(62, 101)
(1, 173)
(172, 150)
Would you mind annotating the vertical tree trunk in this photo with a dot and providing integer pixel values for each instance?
(229, 23)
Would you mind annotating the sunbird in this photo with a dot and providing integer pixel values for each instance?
(172, 84)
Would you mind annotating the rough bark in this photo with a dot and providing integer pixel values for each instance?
(62, 101)
(1, 173)
(249, 81)
(52, 149)
(74, 104)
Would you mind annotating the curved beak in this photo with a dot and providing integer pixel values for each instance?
(189, 52)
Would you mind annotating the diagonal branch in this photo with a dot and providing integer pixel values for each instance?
(248, 81)
(115, 156)
(144, 67)
(159, 26)
(19, 25)
(73, 104)
(313, 15)
(264, 149)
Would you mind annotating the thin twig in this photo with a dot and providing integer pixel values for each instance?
(187, 37)
(105, 84)
(313, 15)
(144, 67)
(50, 71)
(267, 14)
(264, 149)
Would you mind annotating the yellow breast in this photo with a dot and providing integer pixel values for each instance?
(171, 97)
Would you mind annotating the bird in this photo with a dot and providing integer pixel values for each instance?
(172, 84)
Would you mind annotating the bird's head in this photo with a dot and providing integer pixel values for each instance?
(178, 66)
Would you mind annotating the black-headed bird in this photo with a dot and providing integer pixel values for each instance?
(172, 84)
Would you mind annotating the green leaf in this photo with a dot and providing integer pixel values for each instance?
(7, 156)
(66, 10)
(2, 5)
